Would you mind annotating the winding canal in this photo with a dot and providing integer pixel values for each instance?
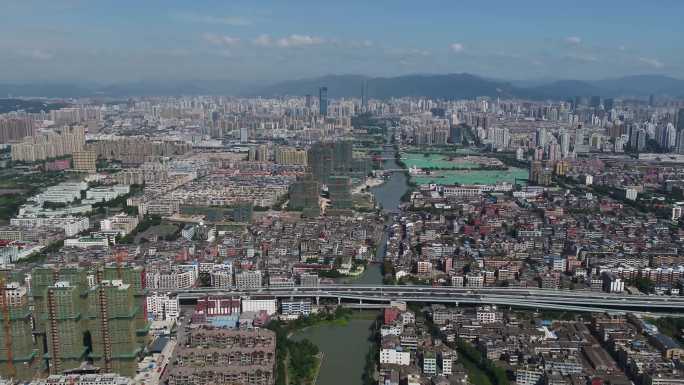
(345, 347)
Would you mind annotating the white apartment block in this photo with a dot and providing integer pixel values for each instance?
(104, 194)
(87, 242)
(181, 277)
(65, 192)
(248, 280)
(121, 222)
(163, 307)
(395, 357)
(391, 330)
(70, 225)
(430, 363)
(528, 376)
(447, 363)
(296, 307)
(270, 306)
(474, 280)
(85, 379)
(222, 278)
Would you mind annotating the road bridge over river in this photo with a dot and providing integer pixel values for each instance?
(569, 300)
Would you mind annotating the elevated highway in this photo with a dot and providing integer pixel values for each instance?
(514, 297)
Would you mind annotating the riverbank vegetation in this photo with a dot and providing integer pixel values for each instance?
(387, 269)
(670, 326)
(298, 361)
(371, 364)
(479, 364)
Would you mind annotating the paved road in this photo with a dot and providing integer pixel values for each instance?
(540, 298)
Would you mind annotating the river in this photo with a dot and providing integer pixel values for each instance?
(345, 347)
(388, 194)
(344, 350)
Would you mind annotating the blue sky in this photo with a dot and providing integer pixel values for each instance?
(125, 40)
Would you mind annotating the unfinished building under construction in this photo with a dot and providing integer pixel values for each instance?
(95, 315)
(18, 352)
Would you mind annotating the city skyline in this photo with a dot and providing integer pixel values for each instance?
(269, 41)
(342, 193)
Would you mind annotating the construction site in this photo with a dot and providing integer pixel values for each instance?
(72, 315)
(18, 356)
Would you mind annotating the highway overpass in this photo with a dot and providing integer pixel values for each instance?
(574, 300)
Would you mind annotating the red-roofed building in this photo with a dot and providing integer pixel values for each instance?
(391, 315)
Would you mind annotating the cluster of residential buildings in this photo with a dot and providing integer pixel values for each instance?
(532, 237)
(409, 353)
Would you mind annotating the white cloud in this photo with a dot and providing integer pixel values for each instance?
(37, 54)
(651, 62)
(582, 58)
(227, 41)
(291, 41)
(236, 21)
(299, 41)
(622, 48)
(573, 40)
(456, 47)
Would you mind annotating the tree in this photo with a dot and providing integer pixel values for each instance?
(644, 284)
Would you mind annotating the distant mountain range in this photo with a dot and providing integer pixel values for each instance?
(448, 86)
(8, 105)
(464, 86)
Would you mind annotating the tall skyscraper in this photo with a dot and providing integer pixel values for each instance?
(565, 143)
(641, 139)
(455, 134)
(608, 104)
(323, 101)
(364, 95)
(595, 102)
(679, 144)
(15, 128)
(680, 119)
(309, 100)
(541, 137)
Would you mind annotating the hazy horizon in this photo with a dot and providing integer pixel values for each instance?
(539, 80)
(268, 41)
